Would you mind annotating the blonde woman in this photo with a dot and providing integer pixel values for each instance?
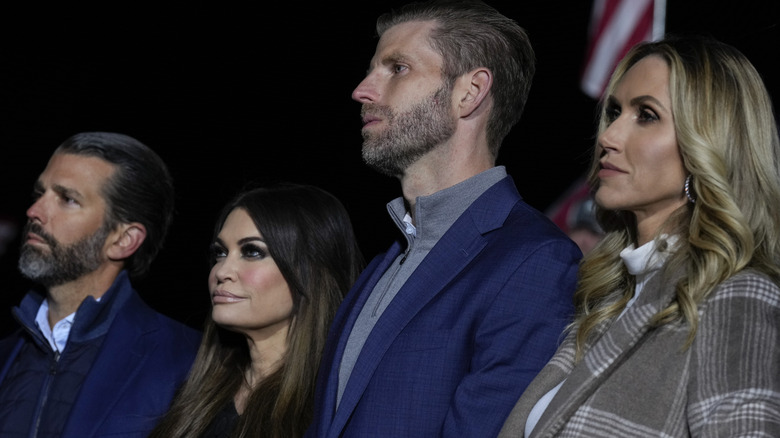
(678, 324)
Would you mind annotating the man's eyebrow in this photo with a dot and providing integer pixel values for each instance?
(67, 192)
(395, 57)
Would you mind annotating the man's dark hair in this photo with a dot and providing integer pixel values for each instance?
(140, 190)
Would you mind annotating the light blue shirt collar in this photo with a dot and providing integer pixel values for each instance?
(57, 336)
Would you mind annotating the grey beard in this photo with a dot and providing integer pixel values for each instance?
(63, 263)
(409, 135)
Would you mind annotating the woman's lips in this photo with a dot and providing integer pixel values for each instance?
(224, 297)
(608, 170)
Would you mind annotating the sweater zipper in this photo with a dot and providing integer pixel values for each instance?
(392, 280)
(409, 243)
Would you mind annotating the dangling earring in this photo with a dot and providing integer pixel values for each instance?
(689, 189)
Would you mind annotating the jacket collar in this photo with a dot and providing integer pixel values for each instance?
(93, 318)
(613, 342)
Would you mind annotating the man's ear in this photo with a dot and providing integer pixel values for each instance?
(476, 86)
(125, 240)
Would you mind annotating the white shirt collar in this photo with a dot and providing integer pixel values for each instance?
(57, 336)
(410, 228)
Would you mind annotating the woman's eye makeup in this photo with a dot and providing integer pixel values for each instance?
(216, 251)
(251, 250)
(646, 114)
(612, 109)
(247, 250)
(612, 113)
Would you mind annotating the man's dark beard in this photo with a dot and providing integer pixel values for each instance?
(62, 263)
(409, 135)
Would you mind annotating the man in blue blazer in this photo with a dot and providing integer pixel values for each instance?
(442, 333)
(90, 358)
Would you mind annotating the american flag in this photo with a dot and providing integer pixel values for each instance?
(615, 26)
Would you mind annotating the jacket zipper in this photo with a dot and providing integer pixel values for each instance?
(44, 395)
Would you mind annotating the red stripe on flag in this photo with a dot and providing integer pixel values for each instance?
(616, 26)
(603, 10)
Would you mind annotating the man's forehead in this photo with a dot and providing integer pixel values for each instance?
(409, 33)
(81, 161)
(407, 41)
(76, 172)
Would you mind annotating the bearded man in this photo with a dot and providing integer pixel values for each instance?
(441, 334)
(90, 358)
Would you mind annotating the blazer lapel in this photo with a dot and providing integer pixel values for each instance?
(610, 349)
(454, 251)
(342, 323)
(122, 355)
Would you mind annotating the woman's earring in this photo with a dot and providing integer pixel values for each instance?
(689, 189)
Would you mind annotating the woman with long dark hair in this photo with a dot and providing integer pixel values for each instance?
(282, 260)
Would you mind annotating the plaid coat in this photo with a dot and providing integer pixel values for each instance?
(636, 381)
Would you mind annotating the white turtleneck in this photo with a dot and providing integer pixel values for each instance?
(641, 262)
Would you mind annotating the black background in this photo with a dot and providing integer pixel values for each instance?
(236, 95)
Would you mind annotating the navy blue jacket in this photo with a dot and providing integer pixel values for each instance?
(116, 377)
(466, 333)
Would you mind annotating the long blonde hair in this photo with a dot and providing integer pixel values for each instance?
(728, 140)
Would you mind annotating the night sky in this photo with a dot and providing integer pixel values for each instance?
(232, 96)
